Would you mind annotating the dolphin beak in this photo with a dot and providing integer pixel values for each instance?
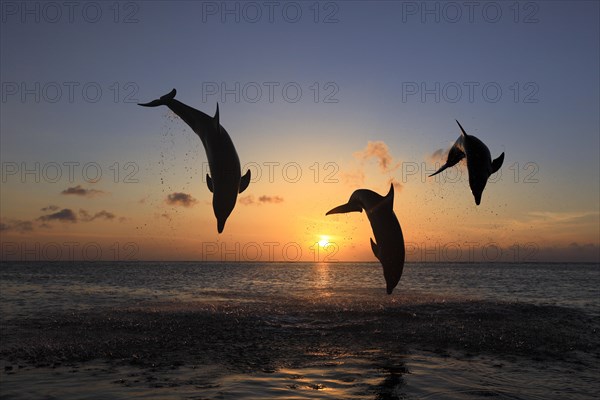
(345, 208)
(477, 198)
(442, 168)
(389, 290)
(220, 226)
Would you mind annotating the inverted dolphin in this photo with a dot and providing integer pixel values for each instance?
(479, 161)
(389, 245)
(225, 180)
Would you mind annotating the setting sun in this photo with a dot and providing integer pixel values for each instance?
(324, 241)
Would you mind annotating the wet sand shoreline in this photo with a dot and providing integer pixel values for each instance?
(267, 338)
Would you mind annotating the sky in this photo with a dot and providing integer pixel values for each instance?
(320, 99)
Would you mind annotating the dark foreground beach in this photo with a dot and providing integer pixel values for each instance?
(319, 331)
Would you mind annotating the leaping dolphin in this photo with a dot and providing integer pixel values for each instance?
(479, 161)
(389, 245)
(225, 180)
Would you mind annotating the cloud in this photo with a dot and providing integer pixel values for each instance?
(104, 215)
(87, 217)
(64, 215)
(270, 199)
(246, 200)
(550, 220)
(381, 152)
(564, 217)
(249, 200)
(439, 155)
(573, 252)
(181, 199)
(397, 185)
(354, 178)
(80, 191)
(16, 225)
(68, 215)
(386, 162)
(166, 216)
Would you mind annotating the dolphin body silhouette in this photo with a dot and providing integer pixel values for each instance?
(225, 180)
(389, 245)
(479, 161)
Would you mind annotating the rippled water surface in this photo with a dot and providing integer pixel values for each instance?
(299, 330)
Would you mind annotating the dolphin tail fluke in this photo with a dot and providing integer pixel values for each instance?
(162, 101)
(245, 181)
(497, 163)
(345, 208)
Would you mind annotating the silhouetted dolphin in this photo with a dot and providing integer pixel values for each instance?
(225, 180)
(479, 161)
(389, 248)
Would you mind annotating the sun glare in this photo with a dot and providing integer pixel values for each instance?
(324, 241)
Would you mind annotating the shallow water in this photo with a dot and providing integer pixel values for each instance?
(186, 330)
(417, 376)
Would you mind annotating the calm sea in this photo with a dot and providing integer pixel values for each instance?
(298, 330)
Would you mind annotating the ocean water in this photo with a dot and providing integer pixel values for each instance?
(298, 331)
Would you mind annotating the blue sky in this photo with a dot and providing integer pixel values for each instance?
(364, 62)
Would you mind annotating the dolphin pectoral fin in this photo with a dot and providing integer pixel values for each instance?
(497, 163)
(345, 208)
(374, 248)
(162, 101)
(209, 183)
(245, 181)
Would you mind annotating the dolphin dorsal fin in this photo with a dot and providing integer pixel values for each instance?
(216, 119)
(209, 183)
(388, 200)
(390, 195)
(244, 182)
(461, 128)
(374, 248)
